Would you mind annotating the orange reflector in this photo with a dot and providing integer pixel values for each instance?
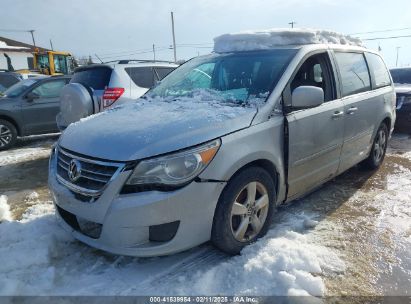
(208, 155)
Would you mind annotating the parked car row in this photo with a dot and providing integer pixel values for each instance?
(216, 144)
(95, 88)
(35, 104)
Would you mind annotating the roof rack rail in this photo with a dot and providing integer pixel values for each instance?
(125, 61)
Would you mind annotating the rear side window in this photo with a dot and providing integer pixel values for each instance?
(355, 77)
(97, 78)
(141, 76)
(163, 72)
(381, 77)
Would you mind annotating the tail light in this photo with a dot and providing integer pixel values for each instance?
(111, 95)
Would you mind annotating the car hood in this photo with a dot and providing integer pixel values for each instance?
(147, 128)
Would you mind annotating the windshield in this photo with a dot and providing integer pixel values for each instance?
(401, 75)
(60, 64)
(18, 88)
(241, 78)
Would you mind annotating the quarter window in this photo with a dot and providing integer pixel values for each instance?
(141, 76)
(378, 70)
(355, 77)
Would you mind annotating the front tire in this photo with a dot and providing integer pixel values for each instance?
(8, 134)
(378, 149)
(244, 211)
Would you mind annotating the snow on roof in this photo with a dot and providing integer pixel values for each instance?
(4, 45)
(267, 39)
(10, 45)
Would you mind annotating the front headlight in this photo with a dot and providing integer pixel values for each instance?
(175, 169)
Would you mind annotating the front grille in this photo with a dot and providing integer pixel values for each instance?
(94, 175)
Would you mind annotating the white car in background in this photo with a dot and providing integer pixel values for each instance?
(95, 88)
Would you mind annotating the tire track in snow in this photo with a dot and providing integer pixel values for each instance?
(201, 259)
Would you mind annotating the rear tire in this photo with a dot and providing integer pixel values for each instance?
(378, 149)
(244, 211)
(8, 134)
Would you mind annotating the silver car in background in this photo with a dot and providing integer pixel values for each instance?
(210, 152)
(98, 87)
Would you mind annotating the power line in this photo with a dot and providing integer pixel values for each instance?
(148, 50)
(382, 31)
(385, 38)
(126, 52)
(11, 30)
(135, 53)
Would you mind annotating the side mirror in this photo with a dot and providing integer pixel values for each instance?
(31, 96)
(305, 97)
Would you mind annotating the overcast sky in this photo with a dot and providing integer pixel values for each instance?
(128, 28)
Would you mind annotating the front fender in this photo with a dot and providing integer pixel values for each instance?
(264, 141)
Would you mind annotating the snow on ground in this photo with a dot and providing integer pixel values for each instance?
(285, 262)
(271, 38)
(21, 155)
(5, 214)
(40, 258)
(28, 148)
(305, 249)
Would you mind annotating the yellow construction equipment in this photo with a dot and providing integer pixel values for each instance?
(53, 62)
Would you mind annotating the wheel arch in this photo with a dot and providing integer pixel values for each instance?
(264, 164)
(12, 121)
(387, 121)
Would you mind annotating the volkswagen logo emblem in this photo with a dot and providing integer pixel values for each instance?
(74, 170)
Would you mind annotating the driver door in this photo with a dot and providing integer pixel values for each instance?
(315, 135)
(39, 114)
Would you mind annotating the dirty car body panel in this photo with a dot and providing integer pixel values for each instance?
(299, 148)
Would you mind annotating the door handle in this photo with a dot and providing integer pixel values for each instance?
(352, 110)
(337, 114)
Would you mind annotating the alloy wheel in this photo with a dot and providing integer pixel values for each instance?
(379, 145)
(249, 212)
(5, 136)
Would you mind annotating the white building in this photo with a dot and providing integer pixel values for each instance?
(21, 54)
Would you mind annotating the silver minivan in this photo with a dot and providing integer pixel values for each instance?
(211, 151)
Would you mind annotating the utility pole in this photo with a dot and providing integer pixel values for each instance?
(32, 36)
(51, 45)
(154, 52)
(174, 37)
(292, 23)
(398, 52)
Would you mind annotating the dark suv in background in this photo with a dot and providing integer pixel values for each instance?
(402, 81)
(30, 107)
